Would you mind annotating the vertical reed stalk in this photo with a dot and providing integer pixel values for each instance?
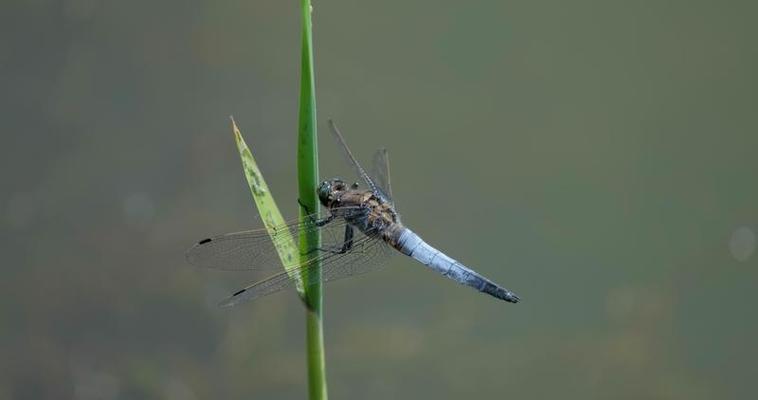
(307, 174)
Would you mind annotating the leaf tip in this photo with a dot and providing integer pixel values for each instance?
(235, 129)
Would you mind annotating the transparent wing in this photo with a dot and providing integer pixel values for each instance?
(350, 158)
(256, 249)
(367, 254)
(381, 171)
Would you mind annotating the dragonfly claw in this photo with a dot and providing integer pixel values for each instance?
(305, 207)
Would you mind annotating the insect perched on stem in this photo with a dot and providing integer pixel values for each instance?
(361, 230)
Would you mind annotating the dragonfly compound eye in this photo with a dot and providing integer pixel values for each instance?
(324, 191)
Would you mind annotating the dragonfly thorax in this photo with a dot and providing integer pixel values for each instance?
(364, 209)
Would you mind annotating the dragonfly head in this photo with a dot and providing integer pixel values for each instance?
(330, 191)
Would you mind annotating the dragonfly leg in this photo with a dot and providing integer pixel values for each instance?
(347, 243)
(305, 207)
(324, 221)
(318, 223)
(308, 211)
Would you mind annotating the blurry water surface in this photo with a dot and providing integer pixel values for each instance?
(598, 158)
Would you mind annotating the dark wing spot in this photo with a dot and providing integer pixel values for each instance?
(239, 292)
(204, 241)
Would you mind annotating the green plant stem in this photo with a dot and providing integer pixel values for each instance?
(307, 167)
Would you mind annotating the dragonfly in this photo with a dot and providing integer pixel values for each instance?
(361, 231)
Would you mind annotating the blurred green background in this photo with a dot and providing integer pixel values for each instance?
(599, 158)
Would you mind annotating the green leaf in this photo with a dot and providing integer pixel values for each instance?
(272, 218)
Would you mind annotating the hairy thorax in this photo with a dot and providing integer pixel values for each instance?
(370, 213)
